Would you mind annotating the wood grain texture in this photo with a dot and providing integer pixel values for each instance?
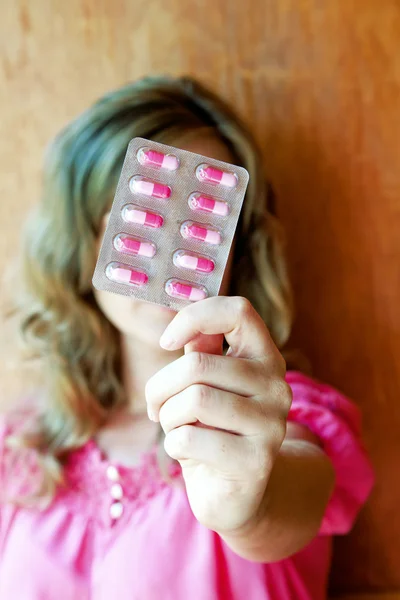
(320, 82)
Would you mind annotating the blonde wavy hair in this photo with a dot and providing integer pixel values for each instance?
(61, 321)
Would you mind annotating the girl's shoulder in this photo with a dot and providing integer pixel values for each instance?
(313, 395)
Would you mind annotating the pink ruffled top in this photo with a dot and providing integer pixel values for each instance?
(127, 533)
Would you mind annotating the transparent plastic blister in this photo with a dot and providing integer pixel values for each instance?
(126, 275)
(133, 245)
(149, 187)
(171, 225)
(193, 262)
(138, 215)
(201, 232)
(208, 204)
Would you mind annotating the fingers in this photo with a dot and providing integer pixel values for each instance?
(218, 449)
(214, 408)
(235, 375)
(234, 317)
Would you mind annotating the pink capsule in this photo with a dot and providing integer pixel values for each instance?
(186, 291)
(151, 158)
(196, 231)
(129, 245)
(208, 204)
(132, 214)
(208, 174)
(193, 262)
(124, 274)
(139, 185)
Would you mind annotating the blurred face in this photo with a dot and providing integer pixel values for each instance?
(143, 320)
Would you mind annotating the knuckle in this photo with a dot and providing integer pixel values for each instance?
(198, 363)
(272, 428)
(200, 396)
(286, 396)
(177, 442)
(243, 306)
(282, 392)
(270, 443)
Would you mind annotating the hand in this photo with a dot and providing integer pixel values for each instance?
(224, 417)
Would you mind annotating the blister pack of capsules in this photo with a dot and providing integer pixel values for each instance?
(171, 225)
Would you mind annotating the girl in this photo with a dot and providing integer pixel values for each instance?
(251, 488)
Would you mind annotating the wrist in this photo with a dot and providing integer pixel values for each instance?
(292, 507)
(249, 540)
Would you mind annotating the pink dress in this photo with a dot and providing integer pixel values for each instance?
(153, 548)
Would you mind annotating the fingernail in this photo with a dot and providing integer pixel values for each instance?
(166, 341)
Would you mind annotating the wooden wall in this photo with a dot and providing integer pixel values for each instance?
(320, 82)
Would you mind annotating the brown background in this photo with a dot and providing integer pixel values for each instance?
(320, 82)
